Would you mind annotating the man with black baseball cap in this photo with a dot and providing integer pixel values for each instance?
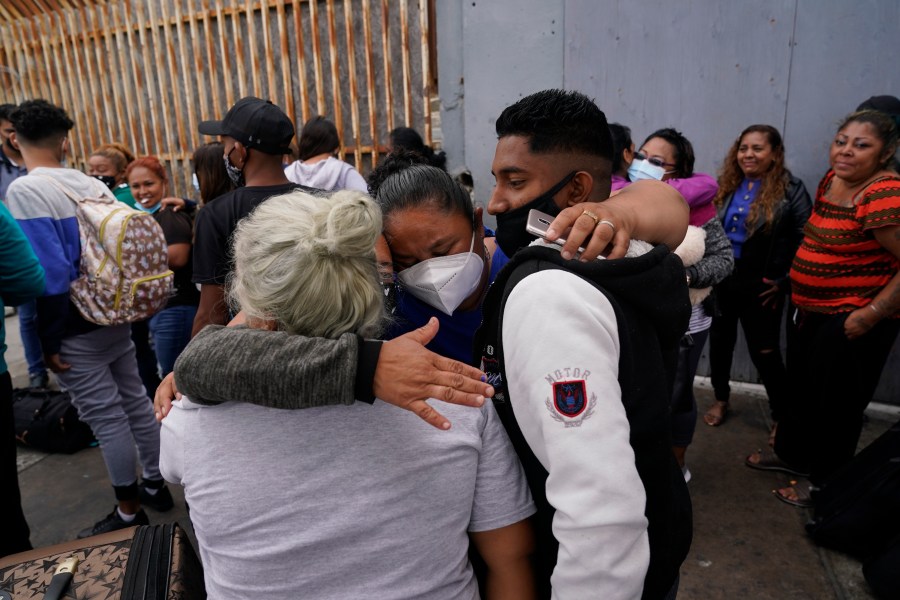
(256, 134)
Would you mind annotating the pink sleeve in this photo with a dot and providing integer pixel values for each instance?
(699, 189)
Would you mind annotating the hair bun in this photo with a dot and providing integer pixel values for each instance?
(347, 227)
(396, 162)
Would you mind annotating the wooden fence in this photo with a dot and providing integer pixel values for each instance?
(145, 73)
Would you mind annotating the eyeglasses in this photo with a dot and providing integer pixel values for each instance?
(657, 162)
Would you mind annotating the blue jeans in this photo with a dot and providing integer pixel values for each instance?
(28, 330)
(171, 330)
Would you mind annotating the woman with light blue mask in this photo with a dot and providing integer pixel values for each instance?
(171, 327)
(668, 156)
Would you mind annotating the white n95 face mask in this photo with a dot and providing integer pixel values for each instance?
(444, 282)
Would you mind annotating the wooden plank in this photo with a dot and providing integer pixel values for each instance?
(285, 47)
(269, 54)
(213, 83)
(17, 67)
(254, 53)
(77, 92)
(354, 91)
(27, 71)
(8, 56)
(188, 100)
(301, 62)
(56, 75)
(337, 111)
(404, 56)
(99, 93)
(87, 93)
(317, 62)
(226, 59)
(370, 79)
(154, 106)
(175, 95)
(425, 38)
(386, 57)
(134, 89)
(114, 72)
(238, 40)
(166, 77)
(44, 69)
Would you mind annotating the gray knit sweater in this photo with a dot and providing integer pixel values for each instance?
(272, 368)
(717, 261)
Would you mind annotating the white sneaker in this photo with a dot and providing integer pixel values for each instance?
(686, 473)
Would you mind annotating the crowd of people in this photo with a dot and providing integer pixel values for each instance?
(564, 470)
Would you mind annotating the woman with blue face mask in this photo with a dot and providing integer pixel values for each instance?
(443, 257)
(668, 156)
(171, 327)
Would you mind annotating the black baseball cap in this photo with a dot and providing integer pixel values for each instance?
(885, 104)
(256, 123)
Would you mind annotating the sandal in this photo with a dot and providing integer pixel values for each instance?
(798, 494)
(770, 462)
(717, 414)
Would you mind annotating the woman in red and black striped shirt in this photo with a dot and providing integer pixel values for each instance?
(846, 287)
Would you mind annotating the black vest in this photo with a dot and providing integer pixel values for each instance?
(650, 300)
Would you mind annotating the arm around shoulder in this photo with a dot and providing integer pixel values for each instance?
(657, 211)
(269, 368)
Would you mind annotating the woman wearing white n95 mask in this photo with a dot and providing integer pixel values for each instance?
(443, 257)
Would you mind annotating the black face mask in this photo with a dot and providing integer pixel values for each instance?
(107, 180)
(511, 234)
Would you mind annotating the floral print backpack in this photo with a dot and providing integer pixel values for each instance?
(124, 274)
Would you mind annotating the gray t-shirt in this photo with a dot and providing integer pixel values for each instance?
(341, 502)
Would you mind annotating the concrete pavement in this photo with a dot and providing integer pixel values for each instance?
(746, 543)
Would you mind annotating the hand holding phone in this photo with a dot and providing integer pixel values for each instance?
(539, 222)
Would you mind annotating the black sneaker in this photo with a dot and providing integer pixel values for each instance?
(160, 501)
(112, 522)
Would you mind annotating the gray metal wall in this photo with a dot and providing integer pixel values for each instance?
(707, 67)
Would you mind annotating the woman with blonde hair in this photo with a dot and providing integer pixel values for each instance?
(281, 509)
(763, 209)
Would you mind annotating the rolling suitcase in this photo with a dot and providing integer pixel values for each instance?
(147, 562)
(857, 507)
(882, 571)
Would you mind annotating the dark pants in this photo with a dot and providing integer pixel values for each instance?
(14, 537)
(146, 357)
(684, 404)
(832, 381)
(739, 301)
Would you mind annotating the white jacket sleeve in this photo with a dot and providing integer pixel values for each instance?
(561, 350)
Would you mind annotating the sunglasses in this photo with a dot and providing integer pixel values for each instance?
(657, 162)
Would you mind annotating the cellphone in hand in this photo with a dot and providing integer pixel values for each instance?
(538, 223)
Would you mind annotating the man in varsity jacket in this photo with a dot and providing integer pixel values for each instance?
(581, 356)
(589, 357)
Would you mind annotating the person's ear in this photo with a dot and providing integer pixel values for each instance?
(243, 152)
(579, 189)
(14, 141)
(478, 225)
